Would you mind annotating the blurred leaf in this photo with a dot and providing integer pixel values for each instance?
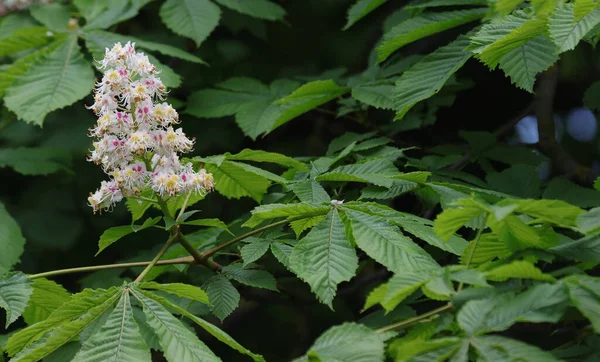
(194, 19)
(11, 241)
(54, 16)
(262, 9)
(360, 9)
(35, 161)
(15, 291)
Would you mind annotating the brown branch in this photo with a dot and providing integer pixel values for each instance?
(543, 105)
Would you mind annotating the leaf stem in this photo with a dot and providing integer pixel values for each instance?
(187, 199)
(471, 254)
(184, 260)
(417, 319)
(162, 251)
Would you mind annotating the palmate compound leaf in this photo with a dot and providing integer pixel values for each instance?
(360, 9)
(194, 19)
(118, 340)
(178, 343)
(384, 243)
(429, 75)
(11, 241)
(422, 26)
(348, 342)
(566, 30)
(310, 191)
(210, 328)
(324, 258)
(15, 290)
(56, 80)
(23, 39)
(47, 296)
(377, 172)
(64, 324)
(262, 9)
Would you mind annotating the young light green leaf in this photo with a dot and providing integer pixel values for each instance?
(420, 4)
(424, 231)
(236, 182)
(194, 19)
(450, 220)
(11, 241)
(402, 285)
(253, 278)
(177, 342)
(35, 161)
(253, 251)
(210, 328)
(23, 39)
(360, 9)
(566, 30)
(118, 340)
(296, 211)
(589, 222)
(324, 258)
(429, 75)
(553, 211)
(517, 269)
(59, 79)
(179, 289)
(422, 26)
(516, 234)
(376, 296)
(66, 323)
(310, 191)
(209, 222)
(47, 296)
(262, 9)
(15, 290)
(376, 171)
(222, 295)
(110, 235)
(383, 242)
(348, 342)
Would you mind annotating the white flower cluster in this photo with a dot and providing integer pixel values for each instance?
(135, 141)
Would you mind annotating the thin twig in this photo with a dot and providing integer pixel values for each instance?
(471, 254)
(160, 254)
(417, 319)
(184, 260)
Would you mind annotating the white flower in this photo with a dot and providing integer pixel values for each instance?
(136, 144)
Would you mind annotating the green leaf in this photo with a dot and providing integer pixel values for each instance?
(376, 296)
(234, 181)
(119, 338)
(348, 342)
(296, 211)
(585, 295)
(305, 98)
(541, 303)
(264, 156)
(516, 234)
(376, 171)
(422, 229)
(563, 189)
(47, 296)
(177, 342)
(589, 222)
(210, 328)
(179, 289)
(450, 220)
(54, 16)
(399, 187)
(553, 211)
(23, 39)
(107, 39)
(109, 12)
(504, 7)
(360, 9)
(262, 9)
(194, 19)
(401, 285)
(420, 4)
(110, 235)
(253, 278)
(496, 348)
(591, 100)
(523, 63)
(310, 191)
(35, 161)
(517, 269)
(324, 258)
(422, 26)
(15, 290)
(209, 222)
(428, 76)
(383, 242)
(11, 241)
(58, 79)
(566, 31)
(282, 252)
(64, 324)
(253, 251)
(222, 295)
